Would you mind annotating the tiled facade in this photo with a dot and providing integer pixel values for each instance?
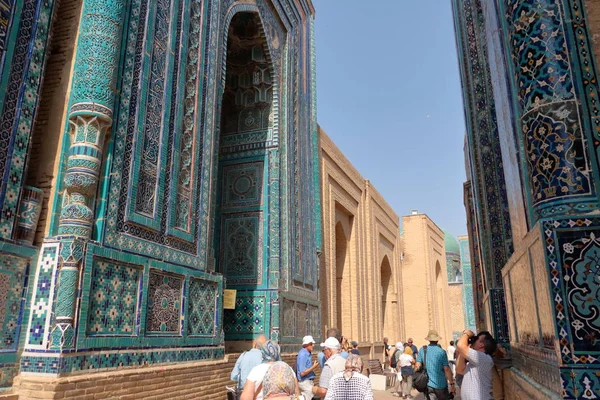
(530, 67)
(165, 189)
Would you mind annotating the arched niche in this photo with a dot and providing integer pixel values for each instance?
(387, 290)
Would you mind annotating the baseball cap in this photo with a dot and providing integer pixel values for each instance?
(331, 343)
(308, 340)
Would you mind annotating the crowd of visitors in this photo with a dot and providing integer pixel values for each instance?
(260, 373)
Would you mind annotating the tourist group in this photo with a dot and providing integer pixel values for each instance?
(260, 373)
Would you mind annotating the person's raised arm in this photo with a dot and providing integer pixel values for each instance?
(462, 346)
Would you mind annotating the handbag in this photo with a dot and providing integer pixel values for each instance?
(420, 378)
(234, 395)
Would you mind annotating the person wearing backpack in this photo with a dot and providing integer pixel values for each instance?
(396, 355)
(435, 361)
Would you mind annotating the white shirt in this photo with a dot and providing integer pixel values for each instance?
(477, 382)
(451, 350)
(257, 375)
(406, 360)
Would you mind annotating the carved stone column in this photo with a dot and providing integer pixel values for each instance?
(90, 119)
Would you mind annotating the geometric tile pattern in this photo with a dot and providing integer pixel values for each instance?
(242, 184)
(13, 277)
(113, 299)
(164, 303)
(242, 247)
(202, 307)
(24, 71)
(77, 362)
(248, 317)
(43, 296)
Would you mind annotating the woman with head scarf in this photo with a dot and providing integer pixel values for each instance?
(350, 383)
(253, 389)
(280, 382)
(405, 365)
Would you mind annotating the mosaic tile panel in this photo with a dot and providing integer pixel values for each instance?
(242, 248)
(579, 251)
(488, 184)
(242, 185)
(176, 239)
(43, 296)
(164, 303)
(13, 278)
(202, 311)
(155, 106)
(25, 71)
(248, 318)
(113, 303)
(113, 360)
(579, 383)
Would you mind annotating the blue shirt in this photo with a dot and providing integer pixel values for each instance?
(437, 359)
(321, 358)
(304, 362)
(244, 365)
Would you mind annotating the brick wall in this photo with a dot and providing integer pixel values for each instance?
(194, 380)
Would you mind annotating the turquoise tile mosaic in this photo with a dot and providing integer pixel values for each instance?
(113, 301)
(24, 57)
(191, 192)
(113, 360)
(249, 317)
(13, 281)
(547, 92)
(202, 303)
(41, 301)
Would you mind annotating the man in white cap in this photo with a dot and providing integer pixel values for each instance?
(305, 367)
(334, 363)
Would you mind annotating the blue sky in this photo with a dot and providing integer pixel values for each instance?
(389, 96)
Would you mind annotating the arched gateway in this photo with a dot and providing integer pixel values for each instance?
(186, 163)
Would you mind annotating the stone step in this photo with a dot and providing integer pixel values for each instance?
(8, 395)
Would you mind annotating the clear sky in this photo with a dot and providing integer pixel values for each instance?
(389, 96)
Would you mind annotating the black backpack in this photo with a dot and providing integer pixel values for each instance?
(420, 378)
(394, 360)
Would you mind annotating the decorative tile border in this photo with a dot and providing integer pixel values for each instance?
(107, 360)
(43, 296)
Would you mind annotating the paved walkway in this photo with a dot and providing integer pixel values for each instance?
(387, 395)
